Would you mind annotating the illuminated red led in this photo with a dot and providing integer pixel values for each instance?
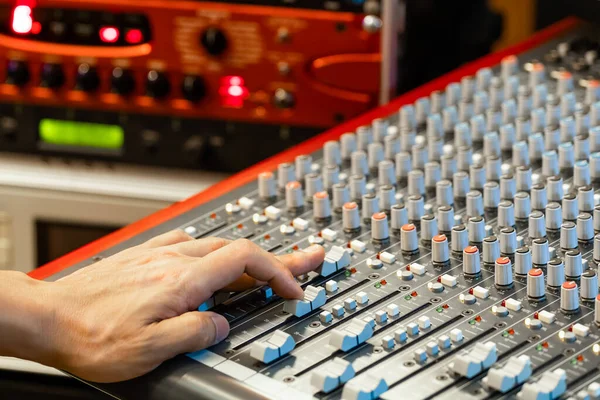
(353, 270)
(445, 306)
(511, 331)
(22, 21)
(414, 294)
(240, 226)
(478, 318)
(36, 27)
(580, 358)
(296, 248)
(384, 282)
(213, 216)
(267, 237)
(134, 36)
(109, 34)
(545, 345)
(535, 315)
(471, 291)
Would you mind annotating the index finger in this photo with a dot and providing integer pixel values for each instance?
(227, 264)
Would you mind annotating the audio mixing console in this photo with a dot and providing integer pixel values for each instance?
(459, 225)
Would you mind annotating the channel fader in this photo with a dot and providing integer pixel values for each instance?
(461, 225)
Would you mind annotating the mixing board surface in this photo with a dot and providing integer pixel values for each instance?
(461, 258)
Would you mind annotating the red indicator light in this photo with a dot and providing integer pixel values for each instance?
(267, 237)
(233, 91)
(22, 22)
(384, 282)
(349, 245)
(109, 34)
(478, 318)
(296, 248)
(213, 216)
(240, 226)
(353, 270)
(233, 80)
(445, 306)
(36, 28)
(471, 291)
(414, 294)
(511, 331)
(408, 267)
(134, 36)
(535, 315)
(545, 345)
(580, 358)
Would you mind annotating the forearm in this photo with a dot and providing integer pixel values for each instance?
(24, 306)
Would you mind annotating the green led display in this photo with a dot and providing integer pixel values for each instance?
(81, 134)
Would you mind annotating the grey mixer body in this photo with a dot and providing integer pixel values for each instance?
(489, 291)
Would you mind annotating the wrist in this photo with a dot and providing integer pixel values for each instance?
(25, 317)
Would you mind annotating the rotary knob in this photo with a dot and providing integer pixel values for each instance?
(440, 253)
(569, 299)
(214, 41)
(535, 285)
(294, 197)
(408, 239)
(122, 81)
(508, 241)
(17, 73)
(471, 261)
(350, 217)
(523, 261)
(399, 216)
(321, 206)
(503, 273)
(157, 85)
(283, 99)
(573, 264)
(556, 273)
(266, 185)
(589, 285)
(87, 78)
(193, 88)
(52, 76)
(379, 227)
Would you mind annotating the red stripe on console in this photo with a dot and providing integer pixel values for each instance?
(306, 147)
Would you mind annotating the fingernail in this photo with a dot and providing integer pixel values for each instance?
(221, 326)
(313, 249)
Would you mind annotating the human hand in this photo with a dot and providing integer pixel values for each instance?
(123, 316)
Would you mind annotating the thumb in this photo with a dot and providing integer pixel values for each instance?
(190, 332)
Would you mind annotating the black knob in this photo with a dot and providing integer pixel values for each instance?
(87, 78)
(194, 148)
(122, 81)
(17, 73)
(283, 99)
(53, 76)
(193, 88)
(214, 41)
(157, 85)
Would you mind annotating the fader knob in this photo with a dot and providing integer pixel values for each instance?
(440, 253)
(589, 286)
(294, 197)
(553, 216)
(379, 227)
(569, 299)
(506, 214)
(585, 228)
(535, 285)
(508, 241)
(523, 261)
(157, 84)
(491, 249)
(87, 78)
(409, 242)
(573, 264)
(399, 216)
(266, 185)
(476, 229)
(471, 261)
(537, 225)
(568, 236)
(460, 238)
(540, 252)
(17, 73)
(53, 77)
(321, 206)
(350, 217)
(193, 88)
(556, 273)
(214, 41)
(503, 278)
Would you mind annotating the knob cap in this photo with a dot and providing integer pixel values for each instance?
(569, 299)
(193, 88)
(556, 273)
(570, 207)
(87, 78)
(508, 241)
(597, 310)
(585, 228)
(214, 41)
(597, 248)
(283, 99)
(523, 261)
(522, 205)
(379, 227)
(476, 230)
(506, 214)
(331, 176)
(445, 218)
(429, 228)
(399, 216)
(285, 174)
(460, 238)
(555, 188)
(157, 85)
(332, 154)
(416, 208)
(540, 251)
(266, 185)
(321, 206)
(440, 252)
(503, 273)
(370, 206)
(17, 73)
(535, 284)
(443, 193)
(474, 204)
(553, 216)
(539, 197)
(585, 199)
(303, 164)
(471, 261)
(537, 225)
(568, 236)
(387, 197)
(589, 285)
(573, 264)
(491, 249)
(313, 184)
(350, 217)
(294, 197)
(341, 196)
(348, 145)
(409, 242)
(52, 76)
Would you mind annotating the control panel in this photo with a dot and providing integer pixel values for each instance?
(201, 79)
(461, 225)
